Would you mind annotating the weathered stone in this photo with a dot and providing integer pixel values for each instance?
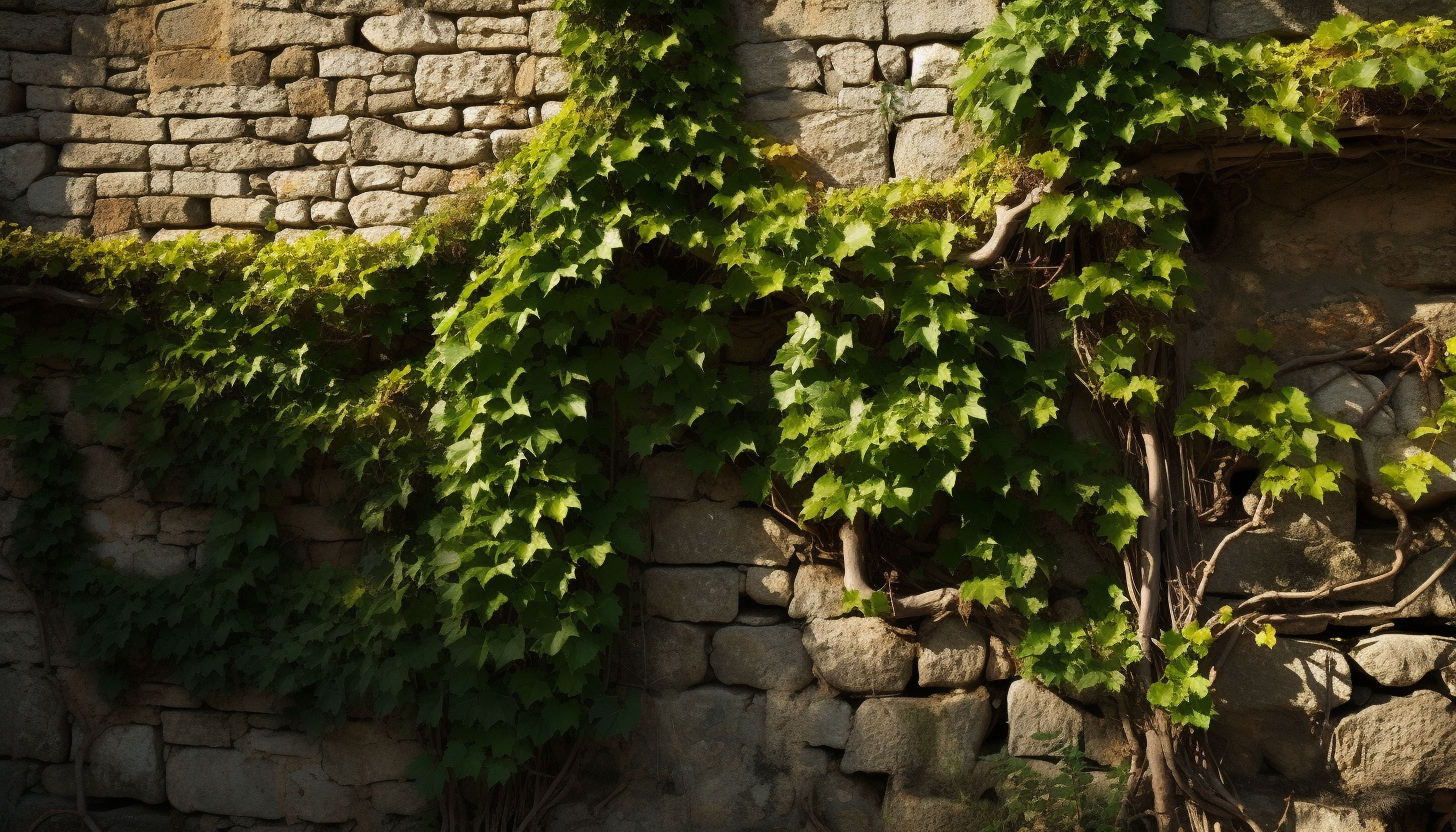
(167, 155)
(32, 717)
(933, 743)
(248, 154)
(839, 149)
(359, 7)
(1295, 675)
(848, 804)
(931, 148)
(310, 97)
(285, 743)
(907, 811)
(393, 103)
(57, 70)
(709, 532)
(98, 101)
(267, 30)
(664, 655)
(328, 127)
(853, 63)
(329, 212)
(230, 100)
(471, 6)
(1252, 742)
(494, 34)
(381, 233)
(492, 116)
(758, 21)
(241, 211)
(351, 95)
(172, 211)
(933, 64)
(223, 782)
(103, 157)
(553, 77)
(126, 761)
(281, 128)
(19, 128)
(1032, 709)
(1398, 742)
(768, 658)
(385, 208)
(34, 33)
(69, 127)
(312, 796)
(770, 586)
(464, 78)
(129, 183)
(909, 21)
(1401, 659)
(413, 30)
(376, 177)
(860, 655)
(427, 181)
(363, 752)
(293, 62)
(349, 62)
(21, 165)
(293, 184)
(952, 654)
(506, 143)
(19, 639)
(376, 141)
(818, 592)
(133, 81)
(771, 66)
(809, 716)
(691, 593)
(193, 183)
(121, 517)
(62, 196)
(208, 728)
(544, 38)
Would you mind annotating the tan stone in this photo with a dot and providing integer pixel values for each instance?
(221, 101)
(173, 211)
(310, 97)
(248, 154)
(267, 30)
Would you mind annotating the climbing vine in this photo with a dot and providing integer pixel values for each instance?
(487, 386)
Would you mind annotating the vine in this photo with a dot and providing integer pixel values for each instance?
(487, 386)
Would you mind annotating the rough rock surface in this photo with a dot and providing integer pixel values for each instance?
(767, 658)
(1031, 709)
(860, 655)
(1398, 742)
(692, 593)
(840, 149)
(1401, 659)
(709, 532)
(952, 654)
(932, 742)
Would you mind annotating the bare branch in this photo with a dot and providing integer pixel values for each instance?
(851, 537)
(52, 294)
(1008, 221)
(1212, 564)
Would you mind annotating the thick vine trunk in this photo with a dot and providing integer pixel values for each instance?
(1156, 740)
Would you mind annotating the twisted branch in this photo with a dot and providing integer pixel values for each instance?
(1008, 221)
(53, 295)
(851, 537)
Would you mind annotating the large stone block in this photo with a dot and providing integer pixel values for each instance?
(71, 127)
(952, 654)
(126, 761)
(767, 658)
(934, 64)
(57, 70)
(772, 66)
(189, 727)
(860, 655)
(818, 592)
(1402, 659)
(663, 655)
(126, 32)
(199, 183)
(312, 796)
(1295, 675)
(464, 78)
(223, 781)
(385, 208)
(376, 141)
(248, 154)
(808, 717)
(773, 587)
(1398, 743)
(844, 150)
(32, 717)
(34, 33)
(172, 212)
(932, 148)
(759, 21)
(219, 101)
(689, 593)
(909, 21)
(194, 24)
(349, 62)
(709, 532)
(781, 104)
(357, 753)
(413, 30)
(933, 743)
(19, 639)
(264, 30)
(62, 196)
(78, 156)
(1033, 710)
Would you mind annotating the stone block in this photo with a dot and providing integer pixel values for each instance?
(773, 587)
(1031, 709)
(709, 532)
(932, 148)
(248, 154)
(122, 32)
(121, 517)
(413, 30)
(860, 655)
(427, 181)
(267, 30)
(781, 64)
(183, 68)
(312, 796)
(1296, 675)
(349, 62)
(205, 728)
(810, 716)
(220, 101)
(328, 127)
(543, 32)
(98, 101)
(295, 184)
(18, 128)
(102, 474)
(494, 116)
(205, 129)
(691, 593)
(933, 742)
(281, 128)
(351, 96)
(952, 654)
(223, 782)
(165, 156)
(358, 753)
(1398, 743)
(381, 233)
(663, 655)
(376, 177)
(465, 78)
(196, 183)
(839, 149)
(310, 97)
(172, 211)
(759, 21)
(934, 64)
(241, 211)
(437, 120)
(327, 212)
(818, 592)
(293, 62)
(136, 80)
(494, 34)
(57, 70)
(21, 165)
(767, 658)
(113, 216)
(1403, 659)
(909, 21)
(34, 33)
(33, 717)
(471, 6)
(385, 208)
(292, 214)
(390, 103)
(376, 141)
(506, 143)
(356, 7)
(19, 639)
(126, 761)
(77, 156)
(56, 99)
(285, 743)
(62, 196)
(552, 77)
(853, 64)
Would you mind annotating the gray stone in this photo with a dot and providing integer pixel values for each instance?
(58, 70)
(1344, 395)
(19, 639)
(769, 586)
(952, 654)
(327, 212)
(506, 143)
(195, 183)
(464, 78)
(206, 101)
(129, 183)
(781, 104)
(392, 103)
(33, 717)
(1295, 675)
(267, 30)
(413, 30)
(376, 177)
(171, 211)
(552, 77)
(1397, 743)
(427, 181)
(1032, 709)
(439, 119)
(544, 26)
(208, 728)
(241, 211)
(21, 165)
(102, 102)
(312, 796)
(810, 716)
(293, 184)
(1401, 659)
(285, 743)
(933, 64)
(931, 148)
(853, 63)
(494, 34)
(349, 62)
(62, 196)
(1377, 451)
(223, 782)
(34, 33)
(663, 655)
(471, 6)
(847, 804)
(18, 128)
(126, 761)
(860, 655)
(167, 155)
(385, 208)
(932, 742)
(382, 233)
(909, 21)
(757, 21)
(709, 532)
(818, 592)
(358, 753)
(771, 66)
(205, 129)
(292, 214)
(907, 811)
(328, 127)
(70, 127)
(692, 593)
(494, 116)
(103, 157)
(376, 141)
(1249, 743)
(281, 128)
(768, 658)
(839, 149)
(248, 154)
(102, 474)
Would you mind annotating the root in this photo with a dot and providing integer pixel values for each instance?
(1008, 221)
(935, 602)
